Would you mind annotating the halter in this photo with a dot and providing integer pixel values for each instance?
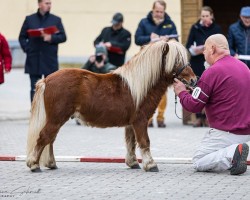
(190, 86)
(179, 71)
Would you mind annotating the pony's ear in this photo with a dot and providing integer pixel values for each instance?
(165, 48)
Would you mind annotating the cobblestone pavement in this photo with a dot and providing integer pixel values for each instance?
(77, 180)
(74, 181)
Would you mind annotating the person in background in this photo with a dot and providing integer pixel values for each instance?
(99, 62)
(41, 50)
(223, 90)
(156, 26)
(199, 32)
(116, 39)
(5, 58)
(239, 37)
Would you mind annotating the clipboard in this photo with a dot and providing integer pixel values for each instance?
(38, 32)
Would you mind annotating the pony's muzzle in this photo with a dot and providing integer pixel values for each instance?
(193, 82)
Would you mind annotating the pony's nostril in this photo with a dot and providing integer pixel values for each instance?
(193, 82)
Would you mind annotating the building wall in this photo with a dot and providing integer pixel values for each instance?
(190, 13)
(83, 20)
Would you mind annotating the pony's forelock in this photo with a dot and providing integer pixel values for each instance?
(177, 55)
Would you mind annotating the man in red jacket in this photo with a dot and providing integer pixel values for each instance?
(5, 58)
(223, 90)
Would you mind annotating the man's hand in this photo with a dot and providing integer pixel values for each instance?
(164, 38)
(236, 56)
(107, 44)
(178, 87)
(154, 36)
(92, 59)
(46, 37)
(7, 71)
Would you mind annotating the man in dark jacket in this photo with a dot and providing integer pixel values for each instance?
(239, 37)
(116, 39)
(41, 45)
(156, 26)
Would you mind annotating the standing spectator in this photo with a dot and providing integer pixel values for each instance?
(42, 58)
(156, 26)
(116, 39)
(99, 62)
(239, 37)
(223, 90)
(199, 32)
(5, 58)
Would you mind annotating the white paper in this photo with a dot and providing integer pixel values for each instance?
(244, 57)
(172, 36)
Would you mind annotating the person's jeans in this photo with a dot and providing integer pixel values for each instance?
(161, 109)
(33, 80)
(216, 150)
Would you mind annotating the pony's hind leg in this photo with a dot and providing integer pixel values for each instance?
(49, 158)
(43, 150)
(143, 141)
(131, 159)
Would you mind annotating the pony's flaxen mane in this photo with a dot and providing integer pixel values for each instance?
(143, 70)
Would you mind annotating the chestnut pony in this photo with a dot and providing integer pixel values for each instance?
(126, 97)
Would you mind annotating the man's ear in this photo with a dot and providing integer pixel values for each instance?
(213, 48)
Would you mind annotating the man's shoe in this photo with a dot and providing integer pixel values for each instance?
(77, 122)
(198, 123)
(161, 124)
(150, 124)
(240, 159)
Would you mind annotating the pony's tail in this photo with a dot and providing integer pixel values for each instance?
(37, 119)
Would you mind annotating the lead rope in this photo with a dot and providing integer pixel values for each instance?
(175, 102)
(176, 111)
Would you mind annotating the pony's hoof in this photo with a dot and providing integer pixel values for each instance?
(153, 169)
(36, 170)
(136, 166)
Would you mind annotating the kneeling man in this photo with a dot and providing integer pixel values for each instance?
(223, 90)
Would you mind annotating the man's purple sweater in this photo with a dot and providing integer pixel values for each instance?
(227, 85)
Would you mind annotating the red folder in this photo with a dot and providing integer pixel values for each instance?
(117, 50)
(38, 32)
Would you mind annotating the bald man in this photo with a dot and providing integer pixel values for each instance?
(223, 90)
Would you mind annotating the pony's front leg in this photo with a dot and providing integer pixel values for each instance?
(143, 141)
(131, 159)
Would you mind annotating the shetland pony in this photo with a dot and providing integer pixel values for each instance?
(126, 97)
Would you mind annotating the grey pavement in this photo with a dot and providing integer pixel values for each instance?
(77, 180)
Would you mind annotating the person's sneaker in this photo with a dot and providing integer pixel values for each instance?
(77, 122)
(150, 125)
(239, 162)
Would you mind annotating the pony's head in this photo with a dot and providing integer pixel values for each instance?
(144, 69)
(177, 64)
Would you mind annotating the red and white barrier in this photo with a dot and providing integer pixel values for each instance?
(104, 159)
